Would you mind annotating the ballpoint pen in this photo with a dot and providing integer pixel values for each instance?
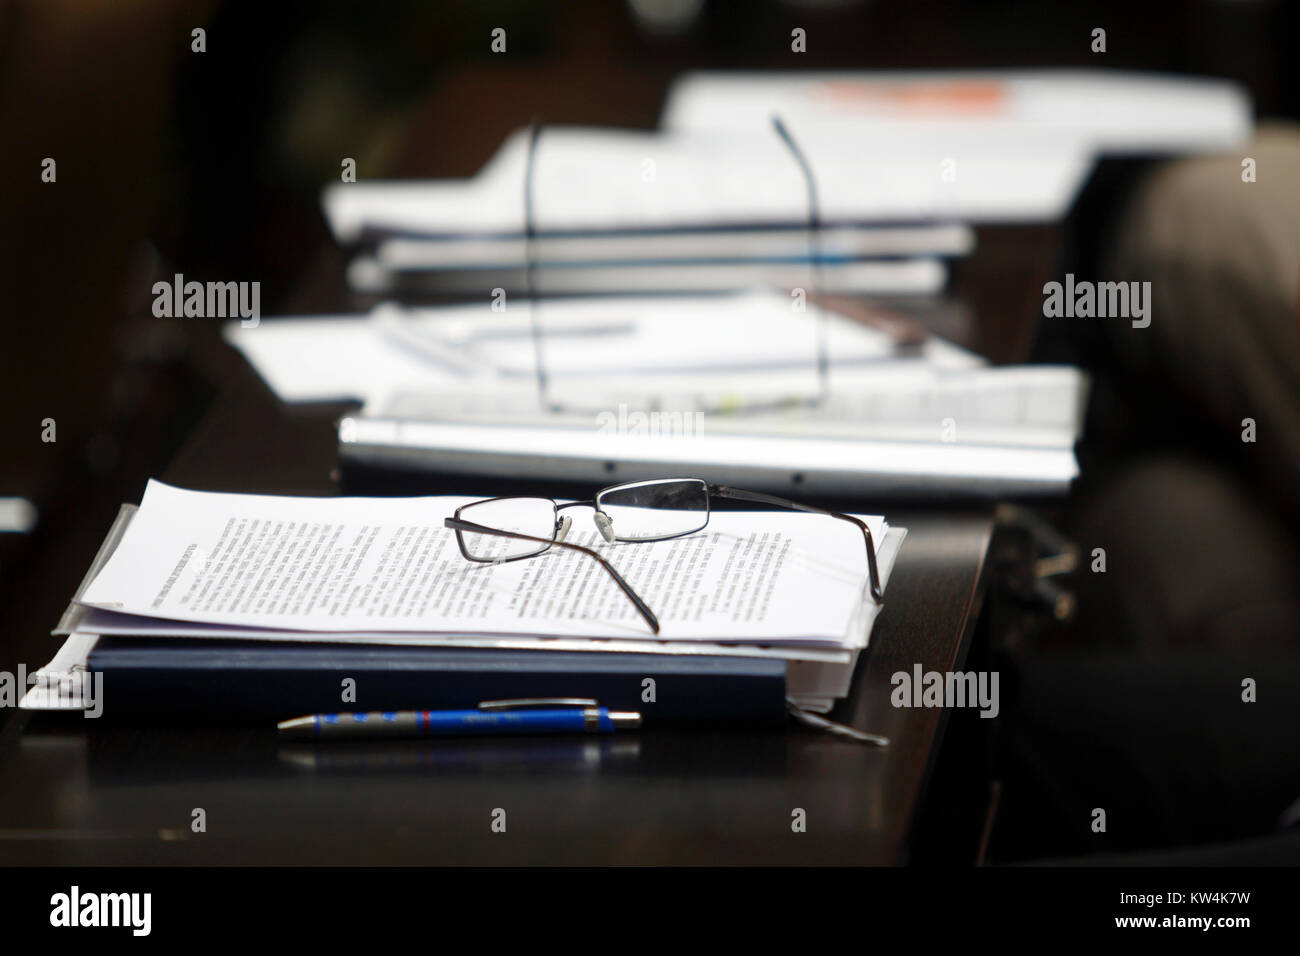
(555, 715)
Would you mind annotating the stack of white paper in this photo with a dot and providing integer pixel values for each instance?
(644, 384)
(717, 200)
(629, 344)
(385, 570)
(1087, 112)
(620, 211)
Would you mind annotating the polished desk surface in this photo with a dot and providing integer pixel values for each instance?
(93, 792)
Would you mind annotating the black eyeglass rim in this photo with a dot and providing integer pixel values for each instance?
(815, 251)
(814, 229)
(594, 503)
(460, 535)
(704, 485)
(460, 525)
(710, 489)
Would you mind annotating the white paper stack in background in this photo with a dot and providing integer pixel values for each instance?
(715, 200)
(454, 388)
(1090, 113)
(633, 344)
(621, 211)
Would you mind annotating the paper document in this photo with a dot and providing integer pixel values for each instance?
(904, 276)
(389, 565)
(1086, 111)
(752, 332)
(592, 180)
(815, 675)
(789, 244)
(740, 339)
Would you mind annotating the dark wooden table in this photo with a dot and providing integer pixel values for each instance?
(80, 791)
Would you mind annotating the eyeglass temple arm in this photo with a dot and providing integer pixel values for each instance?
(459, 524)
(724, 491)
(814, 235)
(530, 266)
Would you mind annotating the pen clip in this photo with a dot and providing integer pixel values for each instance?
(537, 702)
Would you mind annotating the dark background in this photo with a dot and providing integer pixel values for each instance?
(211, 164)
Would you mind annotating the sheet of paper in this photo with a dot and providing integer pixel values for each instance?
(788, 244)
(365, 357)
(753, 332)
(64, 683)
(389, 564)
(108, 623)
(330, 358)
(915, 276)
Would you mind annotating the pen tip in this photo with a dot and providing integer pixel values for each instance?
(297, 726)
(625, 720)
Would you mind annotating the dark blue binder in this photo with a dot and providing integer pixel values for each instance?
(282, 679)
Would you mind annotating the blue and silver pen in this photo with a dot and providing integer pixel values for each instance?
(564, 715)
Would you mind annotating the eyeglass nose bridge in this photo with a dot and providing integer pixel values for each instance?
(604, 523)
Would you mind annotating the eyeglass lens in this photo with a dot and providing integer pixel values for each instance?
(646, 510)
(530, 516)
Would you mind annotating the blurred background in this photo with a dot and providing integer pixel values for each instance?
(212, 164)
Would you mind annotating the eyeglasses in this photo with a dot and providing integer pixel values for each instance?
(496, 530)
(814, 257)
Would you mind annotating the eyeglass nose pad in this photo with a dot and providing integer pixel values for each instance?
(563, 531)
(605, 525)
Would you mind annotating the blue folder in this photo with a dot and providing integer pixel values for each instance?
(280, 679)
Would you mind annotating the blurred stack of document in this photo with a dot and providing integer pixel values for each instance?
(238, 604)
(620, 211)
(722, 386)
(1090, 113)
(620, 343)
(721, 377)
(716, 200)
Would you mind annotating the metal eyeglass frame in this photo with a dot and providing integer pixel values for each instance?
(815, 262)
(561, 527)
